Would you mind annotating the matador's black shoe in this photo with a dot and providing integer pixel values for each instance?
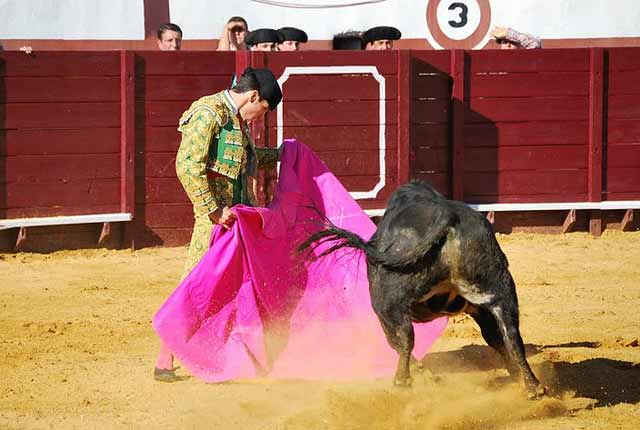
(165, 375)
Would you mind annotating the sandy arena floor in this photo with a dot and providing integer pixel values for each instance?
(77, 351)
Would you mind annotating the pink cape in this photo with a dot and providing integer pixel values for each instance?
(252, 307)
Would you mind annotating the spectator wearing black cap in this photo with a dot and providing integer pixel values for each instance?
(347, 40)
(508, 38)
(169, 37)
(233, 35)
(380, 38)
(263, 39)
(291, 38)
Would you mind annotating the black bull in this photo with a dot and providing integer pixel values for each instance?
(432, 257)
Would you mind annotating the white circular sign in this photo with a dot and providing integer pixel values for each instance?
(458, 19)
(458, 24)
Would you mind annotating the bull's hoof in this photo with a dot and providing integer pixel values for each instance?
(403, 382)
(536, 392)
(417, 366)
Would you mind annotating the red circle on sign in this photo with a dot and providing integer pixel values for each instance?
(445, 41)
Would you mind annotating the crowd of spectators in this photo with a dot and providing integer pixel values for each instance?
(236, 36)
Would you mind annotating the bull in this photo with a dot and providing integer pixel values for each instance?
(432, 257)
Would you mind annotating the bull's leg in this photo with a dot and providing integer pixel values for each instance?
(399, 332)
(392, 306)
(396, 324)
(491, 334)
(505, 313)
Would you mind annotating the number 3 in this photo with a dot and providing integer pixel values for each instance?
(464, 10)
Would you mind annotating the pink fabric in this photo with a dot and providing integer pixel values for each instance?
(251, 307)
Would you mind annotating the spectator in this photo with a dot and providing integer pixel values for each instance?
(263, 39)
(508, 38)
(347, 40)
(380, 38)
(169, 37)
(234, 34)
(291, 38)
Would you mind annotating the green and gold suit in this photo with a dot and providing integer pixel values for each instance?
(217, 164)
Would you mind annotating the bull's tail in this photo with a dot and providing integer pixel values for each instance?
(339, 238)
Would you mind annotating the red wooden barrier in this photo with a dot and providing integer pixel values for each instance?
(95, 132)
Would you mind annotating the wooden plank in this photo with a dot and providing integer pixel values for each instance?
(546, 60)
(622, 195)
(43, 211)
(529, 84)
(60, 168)
(331, 138)
(430, 85)
(357, 182)
(623, 180)
(61, 115)
(61, 89)
(431, 62)
(404, 116)
(623, 155)
(61, 141)
(535, 182)
(624, 82)
(185, 63)
(158, 139)
(430, 111)
(520, 158)
(596, 100)
(624, 106)
(385, 62)
(429, 135)
(156, 165)
(346, 163)
(337, 87)
(620, 131)
(527, 109)
(459, 69)
(543, 133)
(431, 160)
(337, 113)
(181, 88)
(72, 193)
(161, 190)
(161, 114)
(525, 198)
(67, 63)
(623, 59)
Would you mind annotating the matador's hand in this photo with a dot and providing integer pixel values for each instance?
(223, 216)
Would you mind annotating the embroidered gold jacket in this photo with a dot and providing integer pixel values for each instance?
(214, 139)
